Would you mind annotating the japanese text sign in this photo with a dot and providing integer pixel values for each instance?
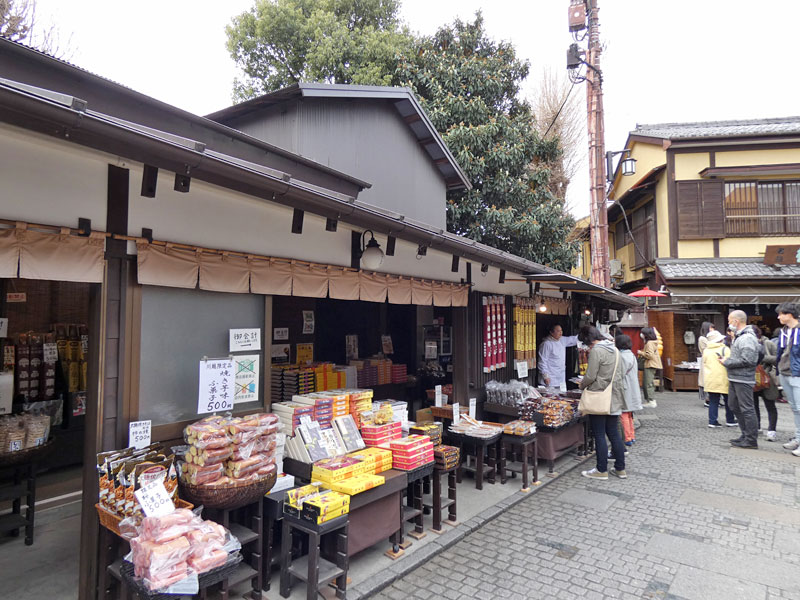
(217, 385)
(242, 340)
(139, 434)
(155, 499)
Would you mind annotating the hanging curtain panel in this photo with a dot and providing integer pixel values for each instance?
(9, 253)
(374, 286)
(399, 290)
(167, 266)
(61, 256)
(442, 294)
(461, 295)
(310, 281)
(343, 284)
(421, 292)
(224, 273)
(270, 277)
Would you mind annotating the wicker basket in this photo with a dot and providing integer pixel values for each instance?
(229, 497)
(111, 520)
(11, 459)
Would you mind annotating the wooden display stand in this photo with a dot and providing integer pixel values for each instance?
(313, 569)
(22, 486)
(246, 524)
(412, 510)
(525, 448)
(480, 447)
(437, 503)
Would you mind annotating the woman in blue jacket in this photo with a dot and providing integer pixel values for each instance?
(789, 365)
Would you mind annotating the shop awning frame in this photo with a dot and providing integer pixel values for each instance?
(569, 283)
(734, 294)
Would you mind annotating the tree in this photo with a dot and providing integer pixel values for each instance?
(281, 42)
(18, 23)
(470, 87)
(557, 110)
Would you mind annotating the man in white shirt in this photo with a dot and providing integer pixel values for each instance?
(553, 357)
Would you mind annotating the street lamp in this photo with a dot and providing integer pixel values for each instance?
(371, 253)
(628, 164)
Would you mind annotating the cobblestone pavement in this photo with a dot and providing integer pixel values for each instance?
(695, 519)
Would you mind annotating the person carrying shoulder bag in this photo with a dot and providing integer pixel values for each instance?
(604, 371)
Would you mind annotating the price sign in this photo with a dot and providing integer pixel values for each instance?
(522, 369)
(473, 402)
(217, 385)
(50, 353)
(139, 434)
(155, 499)
(438, 397)
(456, 414)
(85, 344)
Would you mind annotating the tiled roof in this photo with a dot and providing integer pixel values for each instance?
(724, 268)
(720, 129)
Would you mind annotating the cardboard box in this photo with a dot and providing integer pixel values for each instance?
(424, 415)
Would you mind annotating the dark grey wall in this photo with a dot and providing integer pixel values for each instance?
(366, 139)
(179, 328)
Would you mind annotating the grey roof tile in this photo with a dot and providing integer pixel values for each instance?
(720, 129)
(724, 268)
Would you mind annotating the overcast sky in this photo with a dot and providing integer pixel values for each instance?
(673, 61)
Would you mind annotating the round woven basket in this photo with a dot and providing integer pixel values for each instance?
(11, 459)
(230, 497)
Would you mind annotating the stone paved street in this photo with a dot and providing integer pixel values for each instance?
(696, 519)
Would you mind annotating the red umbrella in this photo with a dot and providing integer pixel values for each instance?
(647, 293)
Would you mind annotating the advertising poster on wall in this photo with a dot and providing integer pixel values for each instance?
(246, 367)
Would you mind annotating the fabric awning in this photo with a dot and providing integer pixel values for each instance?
(740, 294)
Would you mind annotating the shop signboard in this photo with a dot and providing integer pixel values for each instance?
(217, 384)
(280, 334)
(139, 434)
(473, 402)
(438, 395)
(431, 350)
(308, 322)
(244, 340)
(6, 392)
(16, 297)
(247, 375)
(456, 414)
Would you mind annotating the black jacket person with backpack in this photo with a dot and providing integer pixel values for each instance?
(741, 365)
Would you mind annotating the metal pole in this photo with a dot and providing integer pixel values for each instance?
(598, 217)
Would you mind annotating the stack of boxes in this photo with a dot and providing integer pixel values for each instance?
(360, 401)
(375, 435)
(446, 457)
(432, 430)
(328, 377)
(367, 376)
(291, 381)
(341, 403)
(412, 452)
(322, 406)
(375, 460)
(290, 413)
(314, 505)
(399, 374)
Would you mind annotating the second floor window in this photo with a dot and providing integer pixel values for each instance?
(762, 208)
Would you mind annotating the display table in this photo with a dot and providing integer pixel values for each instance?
(313, 569)
(553, 443)
(524, 446)
(683, 380)
(412, 510)
(481, 447)
(374, 514)
(437, 503)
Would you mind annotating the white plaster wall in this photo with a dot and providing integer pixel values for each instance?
(49, 181)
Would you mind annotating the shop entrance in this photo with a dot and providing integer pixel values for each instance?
(544, 322)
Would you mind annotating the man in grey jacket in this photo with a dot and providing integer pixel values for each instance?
(741, 365)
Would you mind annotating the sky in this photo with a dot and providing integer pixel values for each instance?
(663, 61)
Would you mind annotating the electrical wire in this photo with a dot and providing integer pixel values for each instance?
(630, 233)
(560, 108)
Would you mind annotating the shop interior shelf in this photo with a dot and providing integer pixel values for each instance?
(242, 533)
(11, 522)
(427, 502)
(242, 573)
(12, 492)
(327, 570)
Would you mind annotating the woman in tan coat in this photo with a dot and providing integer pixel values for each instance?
(652, 363)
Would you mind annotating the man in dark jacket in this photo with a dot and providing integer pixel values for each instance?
(741, 365)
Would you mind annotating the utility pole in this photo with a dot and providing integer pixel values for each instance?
(598, 216)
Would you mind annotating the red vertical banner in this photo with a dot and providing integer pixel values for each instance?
(486, 325)
(503, 333)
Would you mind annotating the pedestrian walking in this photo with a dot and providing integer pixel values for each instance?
(715, 376)
(652, 363)
(702, 342)
(766, 388)
(630, 378)
(788, 358)
(603, 369)
(741, 365)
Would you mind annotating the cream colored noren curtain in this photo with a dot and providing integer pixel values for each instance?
(270, 277)
(224, 273)
(167, 266)
(61, 256)
(343, 284)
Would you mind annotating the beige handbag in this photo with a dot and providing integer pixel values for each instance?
(598, 402)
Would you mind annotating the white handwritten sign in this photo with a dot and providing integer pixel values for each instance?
(438, 396)
(50, 353)
(155, 499)
(280, 333)
(246, 366)
(139, 434)
(472, 407)
(217, 385)
(456, 414)
(242, 340)
(522, 369)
